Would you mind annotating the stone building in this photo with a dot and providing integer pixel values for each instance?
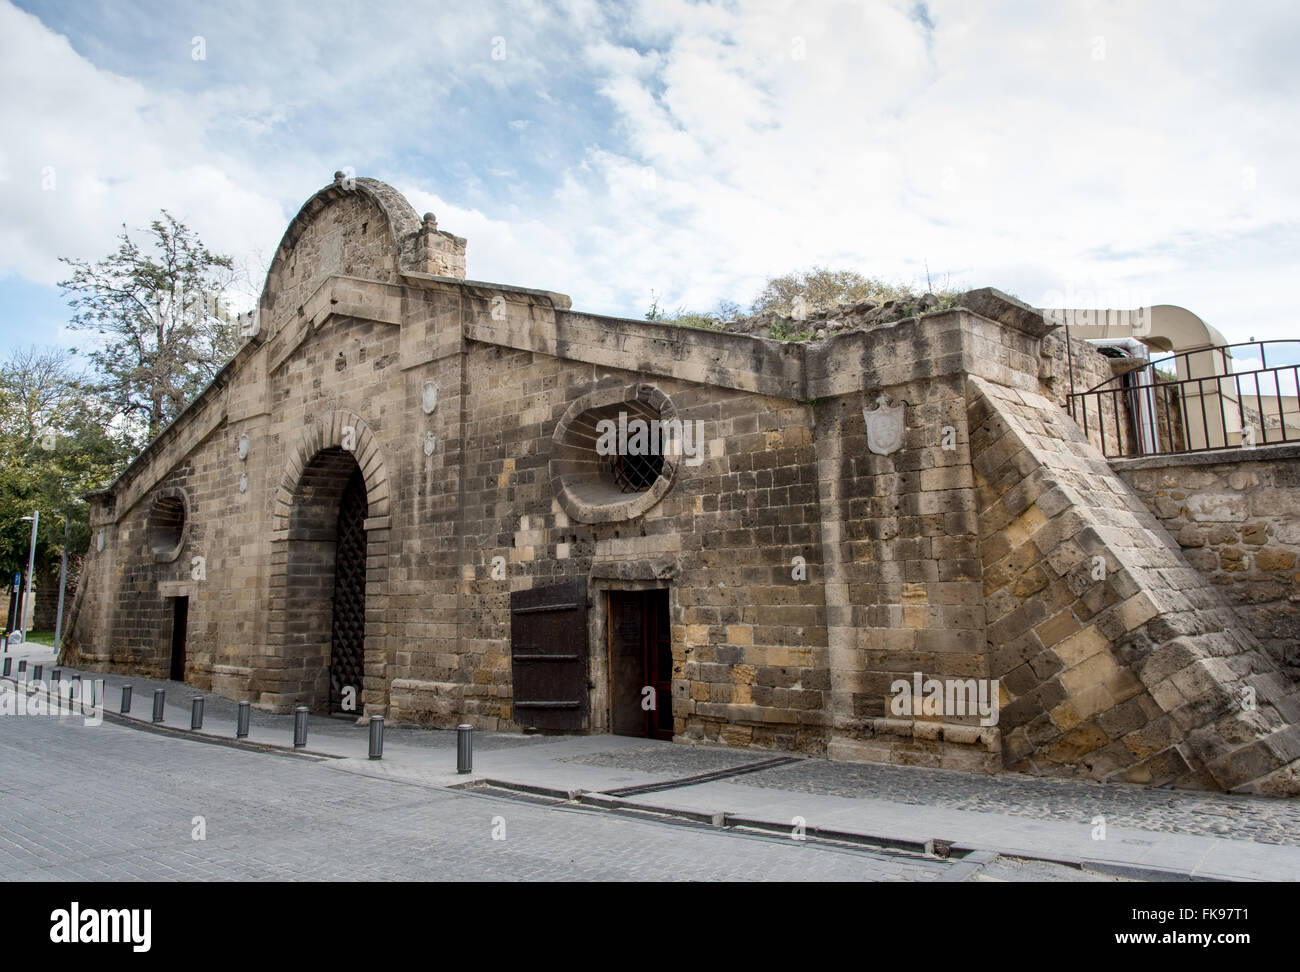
(427, 493)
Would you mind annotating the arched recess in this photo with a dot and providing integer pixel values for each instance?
(337, 447)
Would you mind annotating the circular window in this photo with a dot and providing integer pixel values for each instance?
(168, 525)
(608, 455)
(636, 473)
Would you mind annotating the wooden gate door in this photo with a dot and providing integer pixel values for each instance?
(348, 631)
(548, 656)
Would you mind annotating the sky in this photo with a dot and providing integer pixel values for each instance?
(1079, 154)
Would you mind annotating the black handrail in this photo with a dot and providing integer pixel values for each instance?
(1137, 400)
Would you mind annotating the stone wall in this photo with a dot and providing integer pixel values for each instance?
(1236, 516)
(1119, 658)
(807, 570)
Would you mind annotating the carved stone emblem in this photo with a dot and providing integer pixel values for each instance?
(429, 399)
(884, 426)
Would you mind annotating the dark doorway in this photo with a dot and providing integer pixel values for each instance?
(180, 622)
(348, 627)
(641, 658)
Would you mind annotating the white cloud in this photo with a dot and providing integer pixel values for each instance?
(1037, 147)
(110, 152)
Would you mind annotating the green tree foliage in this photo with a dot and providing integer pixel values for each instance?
(164, 328)
(55, 446)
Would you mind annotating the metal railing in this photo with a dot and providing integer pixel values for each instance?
(1200, 404)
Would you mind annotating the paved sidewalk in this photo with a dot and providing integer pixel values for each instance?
(1149, 833)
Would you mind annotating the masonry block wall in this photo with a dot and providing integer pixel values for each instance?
(1236, 516)
(809, 568)
(1119, 657)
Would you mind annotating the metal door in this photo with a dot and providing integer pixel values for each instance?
(548, 655)
(348, 631)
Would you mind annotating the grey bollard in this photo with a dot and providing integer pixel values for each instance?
(159, 701)
(126, 698)
(300, 726)
(376, 737)
(8, 663)
(241, 722)
(196, 712)
(464, 748)
(36, 672)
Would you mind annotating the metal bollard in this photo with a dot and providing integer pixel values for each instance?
(464, 748)
(126, 698)
(8, 662)
(159, 700)
(376, 737)
(241, 723)
(196, 712)
(36, 672)
(300, 726)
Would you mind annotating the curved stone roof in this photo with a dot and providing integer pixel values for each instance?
(403, 223)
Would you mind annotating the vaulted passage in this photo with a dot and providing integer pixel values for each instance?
(348, 633)
(325, 597)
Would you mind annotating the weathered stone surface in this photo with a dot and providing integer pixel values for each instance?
(808, 577)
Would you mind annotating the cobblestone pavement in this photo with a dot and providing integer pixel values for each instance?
(111, 803)
(1268, 821)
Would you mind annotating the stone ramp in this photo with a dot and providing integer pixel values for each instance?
(1120, 661)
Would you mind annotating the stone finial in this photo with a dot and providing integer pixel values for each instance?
(442, 254)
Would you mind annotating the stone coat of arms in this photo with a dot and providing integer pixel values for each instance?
(884, 426)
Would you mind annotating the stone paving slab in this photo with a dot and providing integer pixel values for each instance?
(1160, 856)
(1264, 820)
(110, 803)
(1182, 832)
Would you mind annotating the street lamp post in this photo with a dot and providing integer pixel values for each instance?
(31, 566)
(63, 582)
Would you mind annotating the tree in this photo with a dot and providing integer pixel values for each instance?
(161, 312)
(54, 448)
(36, 389)
(822, 289)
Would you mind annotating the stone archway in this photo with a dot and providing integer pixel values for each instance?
(336, 465)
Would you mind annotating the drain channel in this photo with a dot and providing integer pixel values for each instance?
(763, 764)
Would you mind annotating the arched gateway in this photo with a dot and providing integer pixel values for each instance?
(331, 515)
(780, 583)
